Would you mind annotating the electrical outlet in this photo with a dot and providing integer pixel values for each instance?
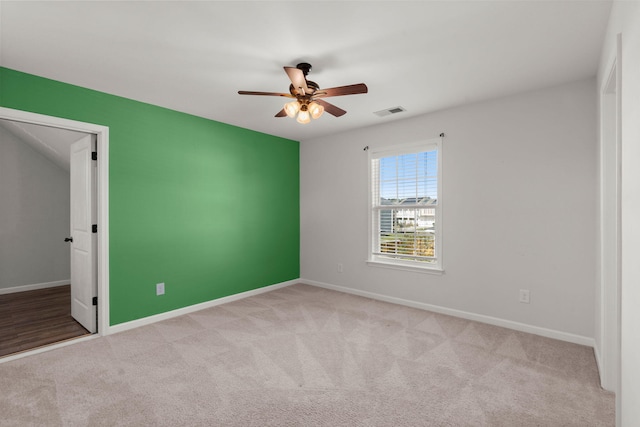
(340, 268)
(524, 296)
(159, 288)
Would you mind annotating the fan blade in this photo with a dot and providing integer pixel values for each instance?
(342, 90)
(297, 80)
(330, 108)
(247, 92)
(281, 113)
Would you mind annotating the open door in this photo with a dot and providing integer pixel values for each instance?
(84, 285)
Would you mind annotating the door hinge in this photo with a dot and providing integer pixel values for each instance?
(94, 155)
(94, 228)
(94, 301)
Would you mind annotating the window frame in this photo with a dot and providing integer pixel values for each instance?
(377, 260)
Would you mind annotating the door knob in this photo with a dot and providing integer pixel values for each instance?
(68, 239)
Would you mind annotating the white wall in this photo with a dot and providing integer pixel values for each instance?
(625, 20)
(34, 216)
(519, 201)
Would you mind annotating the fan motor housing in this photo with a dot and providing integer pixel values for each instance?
(311, 85)
(305, 67)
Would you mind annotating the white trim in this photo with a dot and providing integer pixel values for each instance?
(45, 348)
(596, 353)
(103, 231)
(517, 326)
(197, 307)
(438, 251)
(33, 287)
(102, 134)
(398, 265)
(608, 347)
(617, 328)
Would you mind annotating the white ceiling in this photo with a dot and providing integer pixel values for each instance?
(195, 56)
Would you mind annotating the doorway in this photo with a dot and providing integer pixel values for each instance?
(90, 239)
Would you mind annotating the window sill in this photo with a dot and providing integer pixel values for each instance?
(405, 267)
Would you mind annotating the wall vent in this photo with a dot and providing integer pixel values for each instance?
(389, 111)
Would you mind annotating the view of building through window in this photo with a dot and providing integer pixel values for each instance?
(407, 232)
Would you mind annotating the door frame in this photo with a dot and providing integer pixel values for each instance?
(102, 199)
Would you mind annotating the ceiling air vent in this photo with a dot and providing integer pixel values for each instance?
(389, 111)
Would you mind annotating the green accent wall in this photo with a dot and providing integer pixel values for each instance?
(207, 208)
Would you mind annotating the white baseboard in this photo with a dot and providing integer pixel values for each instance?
(193, 308)
(596, 352)
(522, 327)
(23, 288)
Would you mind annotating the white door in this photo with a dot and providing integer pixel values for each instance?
(84, 285)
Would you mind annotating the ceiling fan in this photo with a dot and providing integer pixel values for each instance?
(308, 103)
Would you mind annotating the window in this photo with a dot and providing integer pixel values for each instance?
(406, 227)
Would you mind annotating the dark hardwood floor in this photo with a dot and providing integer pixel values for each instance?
(36, 318)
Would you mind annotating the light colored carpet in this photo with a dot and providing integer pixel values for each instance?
(306, 356)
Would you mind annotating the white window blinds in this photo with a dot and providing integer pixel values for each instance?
(405, 210)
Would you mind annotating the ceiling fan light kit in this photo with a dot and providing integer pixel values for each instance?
(307, 94)
(292, 108)
(315, 110)
(303, 117)
(303, 111)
